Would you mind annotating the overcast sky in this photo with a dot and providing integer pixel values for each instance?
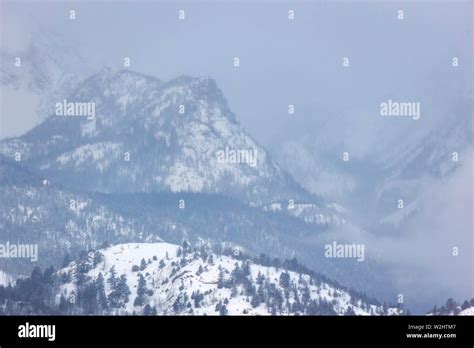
(282, 62)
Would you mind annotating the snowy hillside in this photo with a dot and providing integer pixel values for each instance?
(451, 307)
(164, 278)
(467, 311)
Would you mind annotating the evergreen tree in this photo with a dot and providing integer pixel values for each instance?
(261, 294)
(161, 264)
(141, 290)
(220, 279)
(450, 306)
(326, 308)
(180, 303)
(255, 301)
(260, 278)
(142, 264)
(98, 258)
(223, 310)
(305, 297)
(349, 311)
(81, 272)
(197, 297)
(120, 294)
(34, 289)
(312, 308)
(285, 280)
(123, 288)
(203, 254)
(87, 298)
(210, 260)
(246, 269)
(48, 275)
(65, 277)
(63, 305)
(112, 280)
(236, 274)
(101, 295)
(185, 246)
(147, 310)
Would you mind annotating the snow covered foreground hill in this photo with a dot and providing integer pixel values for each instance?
(166, 279)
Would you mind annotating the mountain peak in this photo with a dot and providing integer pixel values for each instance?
(148, 136)
(120, 79)
(195, 81)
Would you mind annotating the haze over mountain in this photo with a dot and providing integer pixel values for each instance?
(39, 67)
(220, 160)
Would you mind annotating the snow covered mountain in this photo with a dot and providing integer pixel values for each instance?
(419, 166)
(165, 161)
(167, 279)
(149, 136)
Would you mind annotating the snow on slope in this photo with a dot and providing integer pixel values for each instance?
(467, 311)
(168, 150)
(35, 210)
(175, 276)
(6, 278)
(328, 214)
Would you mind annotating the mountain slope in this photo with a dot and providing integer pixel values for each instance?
(387, 160)
(35, 211)
(140, 142)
